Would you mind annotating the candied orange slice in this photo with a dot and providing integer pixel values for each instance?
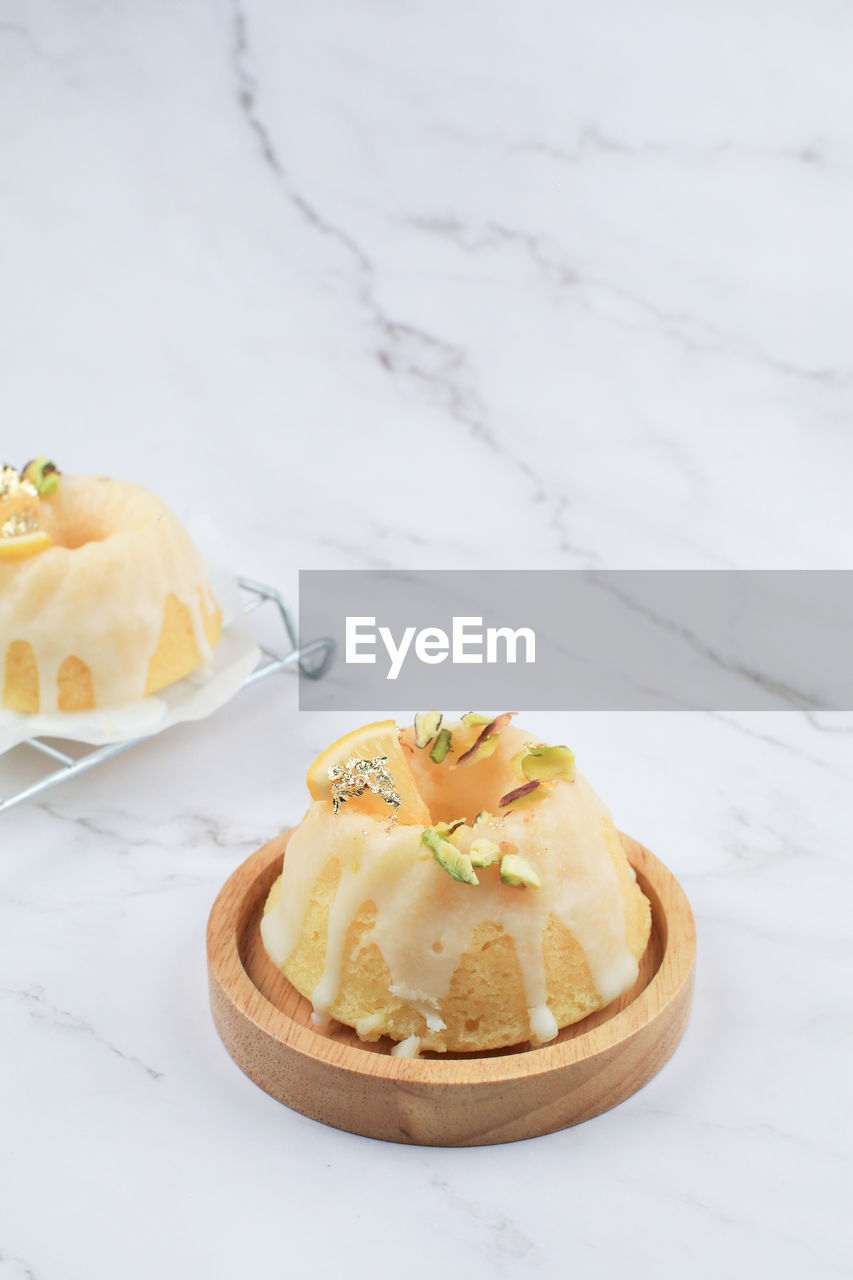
(366, 743)
(21, 545)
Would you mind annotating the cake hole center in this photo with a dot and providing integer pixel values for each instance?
(79, 533)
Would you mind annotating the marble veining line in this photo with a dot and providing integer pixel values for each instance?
(812, 717)
(820, 943)
(746, 861)
(507, 1236)
(247, 90)
(758, 1127)
(559, 522)
(780, 743)
(59, 907)
(397, 332)
(166, 884)
(685, 1198)
(691, 333)
(209, 831)
(591, 140)
(701, 336)
(43, 1010)
(674, 453)
(727, 1219)
(798, 701)
(347, 551)
(19, 32)
(407, 350)
(86, 823)
(784, 846)
(384, 533)
(216, 833)
(23, 1267)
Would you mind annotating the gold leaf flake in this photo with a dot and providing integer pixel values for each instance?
(357, 775)
(19, 524)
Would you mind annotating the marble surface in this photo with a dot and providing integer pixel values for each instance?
(432, 285)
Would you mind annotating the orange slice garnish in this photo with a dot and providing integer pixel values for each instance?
(366, 743)
(21, 545)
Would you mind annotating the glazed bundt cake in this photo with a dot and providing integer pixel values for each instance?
(455, 888)
(104, 597)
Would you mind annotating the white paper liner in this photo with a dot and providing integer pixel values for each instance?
(198, 695)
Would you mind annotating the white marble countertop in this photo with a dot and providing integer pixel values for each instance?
(432, 285)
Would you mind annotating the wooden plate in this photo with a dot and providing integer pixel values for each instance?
(453, 1100)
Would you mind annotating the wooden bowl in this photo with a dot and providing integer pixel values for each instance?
(452, 1099)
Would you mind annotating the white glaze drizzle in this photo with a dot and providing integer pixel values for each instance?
(408, 1048)
(424, 920)
(543, 1024)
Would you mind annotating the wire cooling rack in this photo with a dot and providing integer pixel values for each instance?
(312, 659)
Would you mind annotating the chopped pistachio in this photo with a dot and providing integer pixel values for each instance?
(474, 718)
(492, 729)
(440, 747)
(517, 870)
(482, 817)
(518, 793)
(431, 837)
(545, 764)
(456, 864)
(427, 725)
(447, 828)
(42, 474)
(483, 852)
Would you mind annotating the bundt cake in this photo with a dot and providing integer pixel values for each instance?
(455, 888)
(104, 597)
